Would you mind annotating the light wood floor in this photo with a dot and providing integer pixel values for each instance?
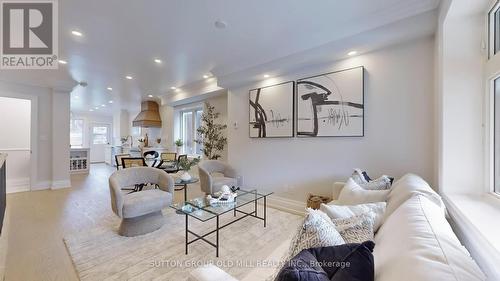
(39, 220)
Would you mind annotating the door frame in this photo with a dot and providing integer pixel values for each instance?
(91, 139)
(33, 134)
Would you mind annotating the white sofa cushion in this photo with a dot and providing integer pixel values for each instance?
(335, 211)
(416, 243)
(405, 188)
(353, 194)
(356, 229)
(210, 272)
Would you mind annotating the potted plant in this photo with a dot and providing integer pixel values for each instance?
(185, 165)
(178, 146)
(211, 134)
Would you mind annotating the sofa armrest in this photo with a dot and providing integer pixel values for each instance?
(210, 273)
(337, 187)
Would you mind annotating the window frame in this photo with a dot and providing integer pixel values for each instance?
(193, 112)
(82, 131)
(493, 41)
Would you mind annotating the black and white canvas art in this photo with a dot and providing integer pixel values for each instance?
(331, 104)
(271, 111)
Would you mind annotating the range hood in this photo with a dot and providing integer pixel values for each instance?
(149, 115)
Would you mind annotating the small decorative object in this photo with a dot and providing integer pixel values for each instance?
(223, 197)
(158, 141)
(271, 111)
(187, 208)
(141, 142)
(178, 145)
(185, 165)
(146, 140)
(331, 104)
(124, 139)
(211, 134)
(314, 201)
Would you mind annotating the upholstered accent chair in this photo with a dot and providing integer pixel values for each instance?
(140, 211)
(214, 174)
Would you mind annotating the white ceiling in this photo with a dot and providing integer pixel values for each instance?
(123, 37)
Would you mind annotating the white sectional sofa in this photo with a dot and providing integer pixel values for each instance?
(414, 243)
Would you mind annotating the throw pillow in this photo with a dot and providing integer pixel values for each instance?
(353, 194)
(344, 262)
(362, 179)
(357, 229)
(317, 230)
(335, 211)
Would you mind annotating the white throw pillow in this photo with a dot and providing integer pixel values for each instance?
(405, 188)
(357, 229)
(417, 243)
(353, 194)
(335, 211)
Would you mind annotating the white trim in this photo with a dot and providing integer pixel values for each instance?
(42, 185)
(61, 184)
(483, 252)
(286, 205)
(18, 185)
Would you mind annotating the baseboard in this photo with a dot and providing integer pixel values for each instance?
(61, 184)
(41, 185)
(18, 185)
(287, 205)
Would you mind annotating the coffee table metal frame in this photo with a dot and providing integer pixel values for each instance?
(225, 209)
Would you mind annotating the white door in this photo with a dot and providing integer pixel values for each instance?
(99, 137)
(15, 141)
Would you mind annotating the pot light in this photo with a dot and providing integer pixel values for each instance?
(110, 101)
(96, 107)
(158, 61)
(77, 97)
(205, 76)
(109, 89)
(352, 53)
(62, 61)
(77, 33)
(150, 96)
(129, 77)
(266, 76)
(173, 88)
(91, 110)
(220, 24)
(177, 90)
(103, 105)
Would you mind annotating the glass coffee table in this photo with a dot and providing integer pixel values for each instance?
(201, 210)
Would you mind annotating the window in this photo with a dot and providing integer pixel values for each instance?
(496, 124)
(190, 122)
(76, 132)
(494, 29)
(100, 135)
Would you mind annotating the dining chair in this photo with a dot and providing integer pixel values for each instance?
(175, 168)
(118, 159)
(165, 158)
(151, 155)
(128, 162)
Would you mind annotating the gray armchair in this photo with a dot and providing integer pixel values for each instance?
(210, 182)
(140, 211)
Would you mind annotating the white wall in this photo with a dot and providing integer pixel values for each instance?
(15, 140)
(42, 131)
(399, 129)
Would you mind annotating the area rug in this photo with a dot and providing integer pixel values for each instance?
(101, 254)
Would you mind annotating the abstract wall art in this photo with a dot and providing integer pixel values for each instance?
(331, 104)
(272, 112)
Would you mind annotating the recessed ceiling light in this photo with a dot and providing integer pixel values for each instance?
(103, 105)
(157, 61)
(173, 88)
(129, 77)
(96, 107)
(77, 97)
(205, 76)
(177, 90)
(150, 96)
(77, 33)
(109, 89)
(220, 24)
(110, 101)
(91, 110)
(62, 61)
(352, 53)
(266, 76)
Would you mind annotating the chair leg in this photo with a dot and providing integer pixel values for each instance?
(141, 225)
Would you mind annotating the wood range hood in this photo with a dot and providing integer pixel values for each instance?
(149, 115)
